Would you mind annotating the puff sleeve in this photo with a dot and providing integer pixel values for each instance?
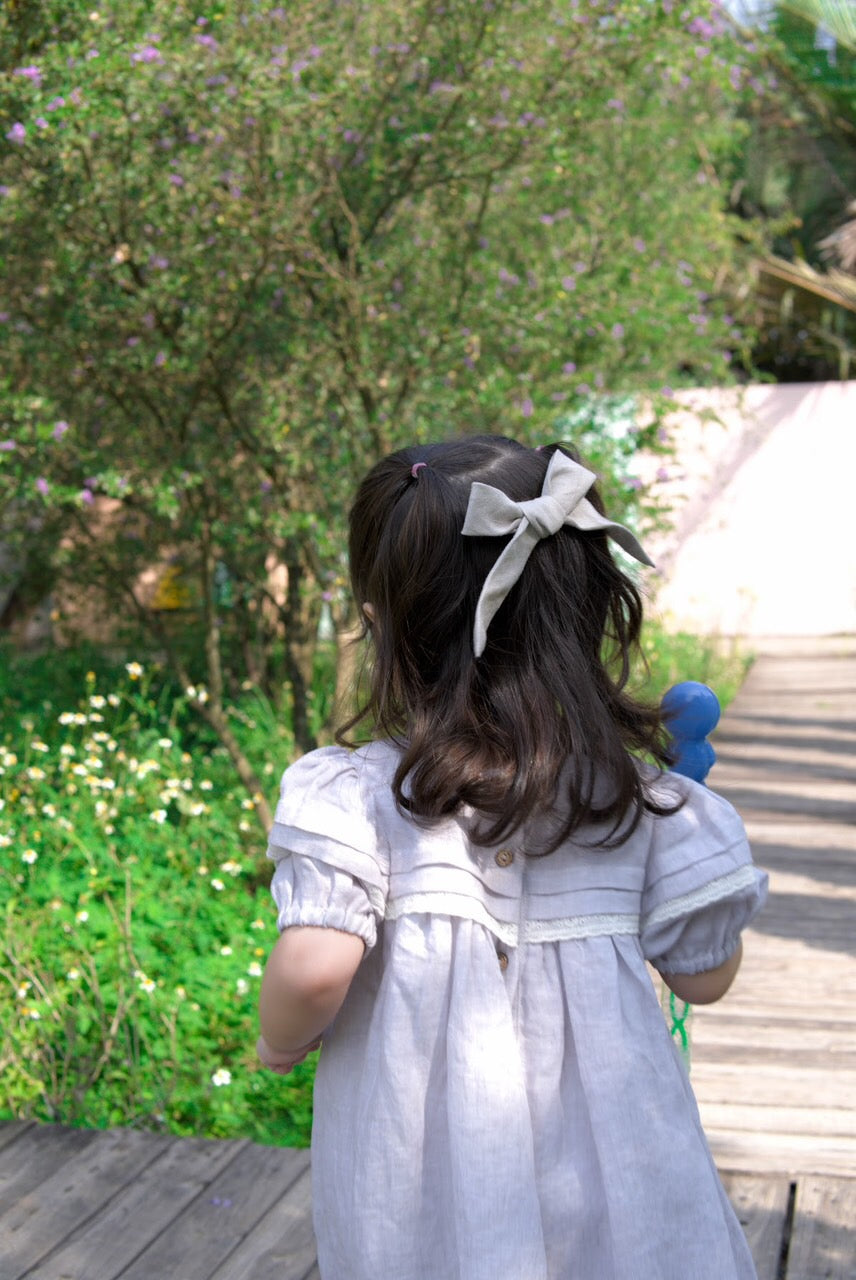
(701, 887)
(330, 870)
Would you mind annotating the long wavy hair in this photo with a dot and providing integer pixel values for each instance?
(542, 723)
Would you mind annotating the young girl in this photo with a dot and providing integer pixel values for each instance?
(467, 903)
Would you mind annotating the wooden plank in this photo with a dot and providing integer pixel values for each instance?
(761, 1205)
(124, 1225)
(33, 1157)
(838, 1057)
(837, 1122)
(791, 1154)
(282, 1247)
(12, 1131)
(767, 1083)
(214, 1226)
(823, 1243)
(44, 1216)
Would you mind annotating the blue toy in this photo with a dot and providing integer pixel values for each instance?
(691, 712)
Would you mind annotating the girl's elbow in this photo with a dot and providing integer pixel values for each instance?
(706, 987)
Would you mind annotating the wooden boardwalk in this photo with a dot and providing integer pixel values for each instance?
(122, 1205)
(774, 1065)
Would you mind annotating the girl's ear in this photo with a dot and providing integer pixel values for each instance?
(369, 611)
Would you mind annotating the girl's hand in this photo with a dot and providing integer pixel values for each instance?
(280, 1062)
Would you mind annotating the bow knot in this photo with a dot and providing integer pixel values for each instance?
(545, 515)
(491, 513)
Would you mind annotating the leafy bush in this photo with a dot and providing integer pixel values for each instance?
(136, 916)
(247, 252)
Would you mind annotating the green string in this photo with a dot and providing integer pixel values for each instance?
(679, 1012)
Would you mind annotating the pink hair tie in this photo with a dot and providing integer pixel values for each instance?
(416, 467)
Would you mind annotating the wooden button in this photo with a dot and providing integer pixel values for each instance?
(504, 858)
(503, 960)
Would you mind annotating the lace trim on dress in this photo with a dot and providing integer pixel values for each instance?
(563, 929)
(568, 928)
(715, 891)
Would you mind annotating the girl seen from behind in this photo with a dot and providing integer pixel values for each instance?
(468, 900)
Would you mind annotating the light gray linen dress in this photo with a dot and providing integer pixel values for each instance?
(499, 1097)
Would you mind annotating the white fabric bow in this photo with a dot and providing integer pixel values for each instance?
(491, 513)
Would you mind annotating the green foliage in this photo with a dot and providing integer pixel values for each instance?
(247, 252)
(797, 169)
(136, 917)
(675, 656)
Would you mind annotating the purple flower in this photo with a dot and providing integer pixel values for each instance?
(633, 482)
(735, 75)
(76, 97)
(55, 104)
(87, 496)
(158, 262)
(42, 486)
(132, 342)
(569, 367)
(526, 407)
(30, 73)
(41, 122)
(670, 395)
(160, 359)
(639, 244)
(91, 53)
(662, 473)
(569, 283)
(17, 133)
(7, 446)
(618, 331)
(4, 190)
(441, 86)
(59, 430)
(547, 219)
(207, 42)
(617, 104)
(700, 27)
(149, 320)
(176, 179)
(147, 53)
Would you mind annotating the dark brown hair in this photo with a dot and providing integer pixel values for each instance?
(542, 722)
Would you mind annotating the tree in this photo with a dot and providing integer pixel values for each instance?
(799, 172)
(248, 253)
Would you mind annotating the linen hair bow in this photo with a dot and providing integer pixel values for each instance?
(491, 513)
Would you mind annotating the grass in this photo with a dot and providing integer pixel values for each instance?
(133, 888)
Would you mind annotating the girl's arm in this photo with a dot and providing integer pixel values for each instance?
(705, 988)
(305, 982)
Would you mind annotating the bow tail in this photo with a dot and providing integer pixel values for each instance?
(500, 580)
